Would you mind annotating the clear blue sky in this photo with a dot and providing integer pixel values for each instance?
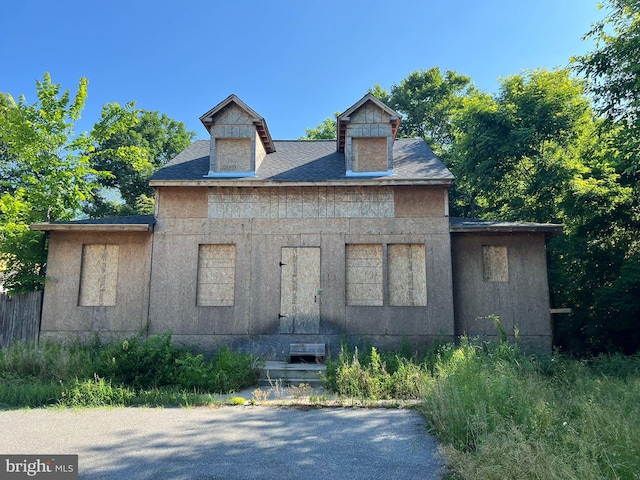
(294, 62)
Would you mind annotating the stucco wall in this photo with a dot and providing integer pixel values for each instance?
(522, 301)
(63, 318)
(253, 319)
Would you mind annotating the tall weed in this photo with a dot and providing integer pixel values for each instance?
(501, 414)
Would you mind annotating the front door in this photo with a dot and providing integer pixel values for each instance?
(300, 290)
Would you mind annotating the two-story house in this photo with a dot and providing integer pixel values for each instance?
(259, 243)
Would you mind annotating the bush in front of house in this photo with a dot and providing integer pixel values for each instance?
(137, 370)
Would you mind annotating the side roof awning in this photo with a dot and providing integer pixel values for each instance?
(131, 223)
(472, 225)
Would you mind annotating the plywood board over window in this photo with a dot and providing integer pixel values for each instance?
(407, 275)
(364, 274)
(495, 263)
(99, 275)
(216, 275)
(233, 154)
(370, 154)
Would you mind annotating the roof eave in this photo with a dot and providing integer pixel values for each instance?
(548, 229)
(91, 227)
(255, 182)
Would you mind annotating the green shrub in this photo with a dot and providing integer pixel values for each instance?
(140, 363)
(372, 375)
(232, 371)
(97, 392)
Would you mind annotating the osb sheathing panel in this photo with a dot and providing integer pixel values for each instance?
(369, 154)
(257, 297)
(232, 114)
(99, 275)
(233, 155)
(62, 311)
(369, 113)
(495, 263)
(182, 202)
(522, 301)
(420, 201)
(216, 275)
(326, 226)
(406, 274)
(364, 274)
(299, 290)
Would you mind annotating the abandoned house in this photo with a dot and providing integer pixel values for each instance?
(258, 244)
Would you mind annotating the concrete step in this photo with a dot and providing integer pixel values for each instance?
(291, 373)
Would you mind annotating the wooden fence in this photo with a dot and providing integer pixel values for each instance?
(20, 318)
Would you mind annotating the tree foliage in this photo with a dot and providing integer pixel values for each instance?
(427, 99)
(131, 145)
(326, 130)
(48, 173)
(45, 175)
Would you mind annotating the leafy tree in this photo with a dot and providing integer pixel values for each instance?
(43, 175)
(512, 151)
(613, 74)
(536, 152)
(428, 100)
(131, 145)
(324, 131)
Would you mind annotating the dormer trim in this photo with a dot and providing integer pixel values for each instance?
(385, 173)
(345, 118)
(258, 121)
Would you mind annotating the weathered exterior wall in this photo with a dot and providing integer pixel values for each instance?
(520, 299)
(63, 318)
(421, 201)
(253, 321)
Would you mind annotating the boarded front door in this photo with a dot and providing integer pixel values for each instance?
(300, 290)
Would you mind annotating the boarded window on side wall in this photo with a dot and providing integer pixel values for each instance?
(216, 275)
(99, 275)
(364, 274)
(407, 275)
(495, 264)
(369, 154)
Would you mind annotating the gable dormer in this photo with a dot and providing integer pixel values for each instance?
(366, 132)
(240, 139)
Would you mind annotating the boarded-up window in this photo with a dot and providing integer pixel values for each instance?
(99, 275)
(233, 154)
(495, 266)
(369, 154)
(407, 275)
(364, 274)
(216, 275)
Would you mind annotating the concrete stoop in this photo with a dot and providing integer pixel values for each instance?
(291, 374)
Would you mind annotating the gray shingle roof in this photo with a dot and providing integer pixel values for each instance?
(462, 225)
(124, 220)
(311, 161)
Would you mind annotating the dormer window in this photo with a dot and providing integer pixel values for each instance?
(366, 132)
(240, 139)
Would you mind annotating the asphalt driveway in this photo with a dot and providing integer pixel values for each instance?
(249, 442)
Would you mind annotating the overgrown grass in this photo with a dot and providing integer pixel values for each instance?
(135, 371)
(498, 413)
(502, 414)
